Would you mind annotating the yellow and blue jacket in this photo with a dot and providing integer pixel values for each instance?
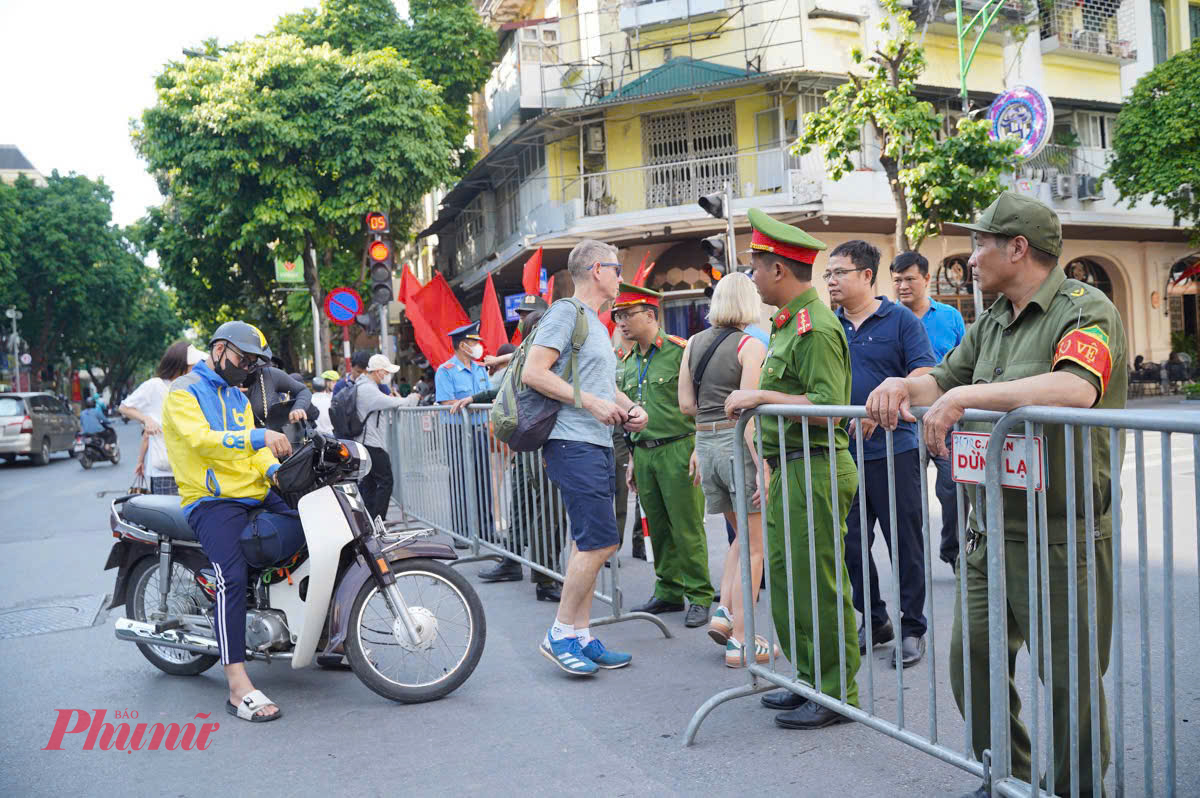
(212, 444)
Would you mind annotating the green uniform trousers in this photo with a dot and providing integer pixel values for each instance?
(621, 457)
(675, 511)
(828, 521)
(1016, 582)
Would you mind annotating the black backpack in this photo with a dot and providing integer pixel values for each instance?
(343, 413)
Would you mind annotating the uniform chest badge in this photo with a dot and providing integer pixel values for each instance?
(1079, 292)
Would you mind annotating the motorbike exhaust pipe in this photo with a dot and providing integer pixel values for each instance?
(139, 632)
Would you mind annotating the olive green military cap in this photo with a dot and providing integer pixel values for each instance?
(1014, 214)
(780, 239)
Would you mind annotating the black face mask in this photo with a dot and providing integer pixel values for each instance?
(233, 375)
(252, 375)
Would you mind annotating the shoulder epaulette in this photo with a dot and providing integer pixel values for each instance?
(675, 339)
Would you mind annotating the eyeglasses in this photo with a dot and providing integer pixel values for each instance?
(616, 267)
(837, 274)
(620, 315)
(241, 359)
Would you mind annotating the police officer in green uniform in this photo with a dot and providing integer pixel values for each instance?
(1047, 340)
(637, 543)
(807, 363)
(662, 452)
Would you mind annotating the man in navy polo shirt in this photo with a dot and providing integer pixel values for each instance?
(944, 324)
(886, 340)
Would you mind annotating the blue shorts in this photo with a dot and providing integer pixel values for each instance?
(586, 475)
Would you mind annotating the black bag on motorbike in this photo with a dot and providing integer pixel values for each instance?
(271, 538)
(295, 476)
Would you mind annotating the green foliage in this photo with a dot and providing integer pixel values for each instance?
(446, 43)
(958, 176)
(278, 148)
(1156, 144)
(931, 182)
(1182, 342)
(81, 283)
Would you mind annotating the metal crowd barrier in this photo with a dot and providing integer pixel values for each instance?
(1153, 735)
(452, 475)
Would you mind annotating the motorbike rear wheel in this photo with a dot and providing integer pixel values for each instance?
(453, 630)
(85, 459)
(185, 598)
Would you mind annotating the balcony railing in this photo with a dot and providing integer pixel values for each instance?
(1097, 27)
(755, 174)
(1062, 160)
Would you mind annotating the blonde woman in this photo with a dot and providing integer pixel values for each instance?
(716, 362)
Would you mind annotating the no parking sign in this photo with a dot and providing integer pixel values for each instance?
(342, 305)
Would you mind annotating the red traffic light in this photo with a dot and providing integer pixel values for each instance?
(379, 251)
(377, 222)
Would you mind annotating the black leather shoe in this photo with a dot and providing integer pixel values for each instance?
(697, 615)
(504, 571)
(458, 544)
(332, 662)
(879, 636)
(809, 716)
(550, 592)
(783, 700)
(911, 649)
(656, 606)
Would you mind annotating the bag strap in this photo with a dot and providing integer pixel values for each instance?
(712, 350)
(578, 337)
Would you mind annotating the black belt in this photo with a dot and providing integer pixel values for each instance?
(796, 454)
(654, 444)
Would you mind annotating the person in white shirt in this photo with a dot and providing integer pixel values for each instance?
(145, 406)
(321, 398)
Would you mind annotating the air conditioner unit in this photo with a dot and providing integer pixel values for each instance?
(595, 140)
(1089, 187)
(1060, 187)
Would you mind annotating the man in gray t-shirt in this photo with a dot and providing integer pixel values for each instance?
(595, 364)
(579, 454)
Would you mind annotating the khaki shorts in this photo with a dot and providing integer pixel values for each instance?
(714, 451)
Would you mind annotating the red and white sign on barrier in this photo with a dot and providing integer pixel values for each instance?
(969, 457)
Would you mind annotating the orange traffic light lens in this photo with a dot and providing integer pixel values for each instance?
(379, 251)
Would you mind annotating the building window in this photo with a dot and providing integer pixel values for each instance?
(689, 154)
(1158, 30)
(952, 285)
(1194, 22)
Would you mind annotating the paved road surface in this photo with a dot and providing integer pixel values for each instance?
(517, 727)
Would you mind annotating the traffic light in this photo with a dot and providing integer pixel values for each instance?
(380, 260)
(369, 321)
(714, 204)
(714, 248)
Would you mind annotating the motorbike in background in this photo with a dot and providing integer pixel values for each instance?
(92, 449)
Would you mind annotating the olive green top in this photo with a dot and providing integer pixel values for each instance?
(651, 379)
(1067, 326)
(807, 356)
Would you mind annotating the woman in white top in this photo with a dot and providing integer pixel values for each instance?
(145, 405)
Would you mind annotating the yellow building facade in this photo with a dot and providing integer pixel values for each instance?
(607, 119)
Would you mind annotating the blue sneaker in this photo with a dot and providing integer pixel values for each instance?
(568, 655)
(609, 660)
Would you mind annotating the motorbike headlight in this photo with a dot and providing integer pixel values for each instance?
(359, 459)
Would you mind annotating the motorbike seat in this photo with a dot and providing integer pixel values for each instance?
(161, 514)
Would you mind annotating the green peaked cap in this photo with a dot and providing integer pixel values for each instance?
(630, 294)
(786, 234)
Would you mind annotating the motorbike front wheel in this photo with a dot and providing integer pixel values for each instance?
(115, 456)
(85, 460)
(185, 597)
(451, 633)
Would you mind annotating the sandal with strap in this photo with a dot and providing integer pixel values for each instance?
(249, 706)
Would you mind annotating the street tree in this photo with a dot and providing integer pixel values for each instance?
(278, 149)
(444, 41)
(932, 181)
(81, 284)
(1156, 143)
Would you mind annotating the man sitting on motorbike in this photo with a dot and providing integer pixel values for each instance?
(225, 468)
(92, 421)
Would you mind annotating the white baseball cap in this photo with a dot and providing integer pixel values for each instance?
(378, 362)
(194, 355)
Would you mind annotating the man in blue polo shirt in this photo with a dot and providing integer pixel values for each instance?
(886, 340)
(944, 324)
(458, 378)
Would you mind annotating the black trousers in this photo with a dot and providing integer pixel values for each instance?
(911, 555)
(947, 496)
(376, 487)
